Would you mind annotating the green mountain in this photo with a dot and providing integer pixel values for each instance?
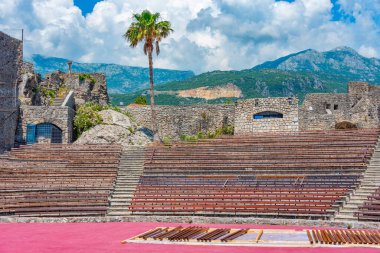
(120, 79)
(297, 74)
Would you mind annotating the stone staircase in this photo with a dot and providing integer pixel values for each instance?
(58, 101)
(131, 166)
(368, 185)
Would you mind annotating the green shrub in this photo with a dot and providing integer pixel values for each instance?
(226, 130)
(141, 100)
(211, 135)
(189, 138)
(130, 129)
(167, 141)
(62, 91)
(229, 101)
(83, 77)
(201, 135)
(86, 117)
(47, 93)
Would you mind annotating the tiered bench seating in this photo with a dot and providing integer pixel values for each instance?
(370, 211)
(304, 174)
(58, 180)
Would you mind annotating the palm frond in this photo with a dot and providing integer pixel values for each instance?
(147, 28)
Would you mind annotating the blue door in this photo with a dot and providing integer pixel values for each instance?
(30, 134)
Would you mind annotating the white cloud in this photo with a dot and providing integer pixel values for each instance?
(209, 34)
(368, 52)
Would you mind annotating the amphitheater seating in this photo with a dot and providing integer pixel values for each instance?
(58, 180)
(303, 174)
(370, 211)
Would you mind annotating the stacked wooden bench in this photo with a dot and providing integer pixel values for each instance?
(58, 180)
(370, 211)
(304, 174)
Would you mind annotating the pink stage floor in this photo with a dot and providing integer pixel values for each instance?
(106, 237)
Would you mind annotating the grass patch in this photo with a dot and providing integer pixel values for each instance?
(226, 130)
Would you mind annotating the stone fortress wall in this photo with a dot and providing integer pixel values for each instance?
(175, 121)
(246, 110)
(60, 116)
(86, 86)
(10, 68)
(360, 106)
(37, 108)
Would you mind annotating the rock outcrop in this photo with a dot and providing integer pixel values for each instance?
(116, 128)
(111, 117)
(28, 85)
(225, 91)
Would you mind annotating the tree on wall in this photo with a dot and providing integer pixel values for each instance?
(141, 100)
(148, 28)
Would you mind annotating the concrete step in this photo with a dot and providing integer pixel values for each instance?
(368, 184)
(345, 218)
(126, 180)
(363, 192)
(348, 213)
(121, 197)
(118, 213)
(119, 206)
(131, 167)
(128, 188)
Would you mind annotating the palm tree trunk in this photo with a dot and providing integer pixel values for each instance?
(153, 112)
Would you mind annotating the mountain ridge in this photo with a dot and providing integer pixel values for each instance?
(307, 71)
(120, 78)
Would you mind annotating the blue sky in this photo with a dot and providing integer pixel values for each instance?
(209, 34)
(86, 5)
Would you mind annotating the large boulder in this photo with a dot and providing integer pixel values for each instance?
(104, 134)
(111, 117)
(116, 128)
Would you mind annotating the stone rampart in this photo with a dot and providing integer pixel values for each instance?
(10, 68)
(175, 121)
(361, 106)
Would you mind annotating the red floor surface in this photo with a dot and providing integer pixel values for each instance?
(106, 237)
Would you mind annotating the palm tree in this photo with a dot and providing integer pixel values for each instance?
(149, 29)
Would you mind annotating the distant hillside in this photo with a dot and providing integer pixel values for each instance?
(297, 74)
(120, 79)
(342, 61)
